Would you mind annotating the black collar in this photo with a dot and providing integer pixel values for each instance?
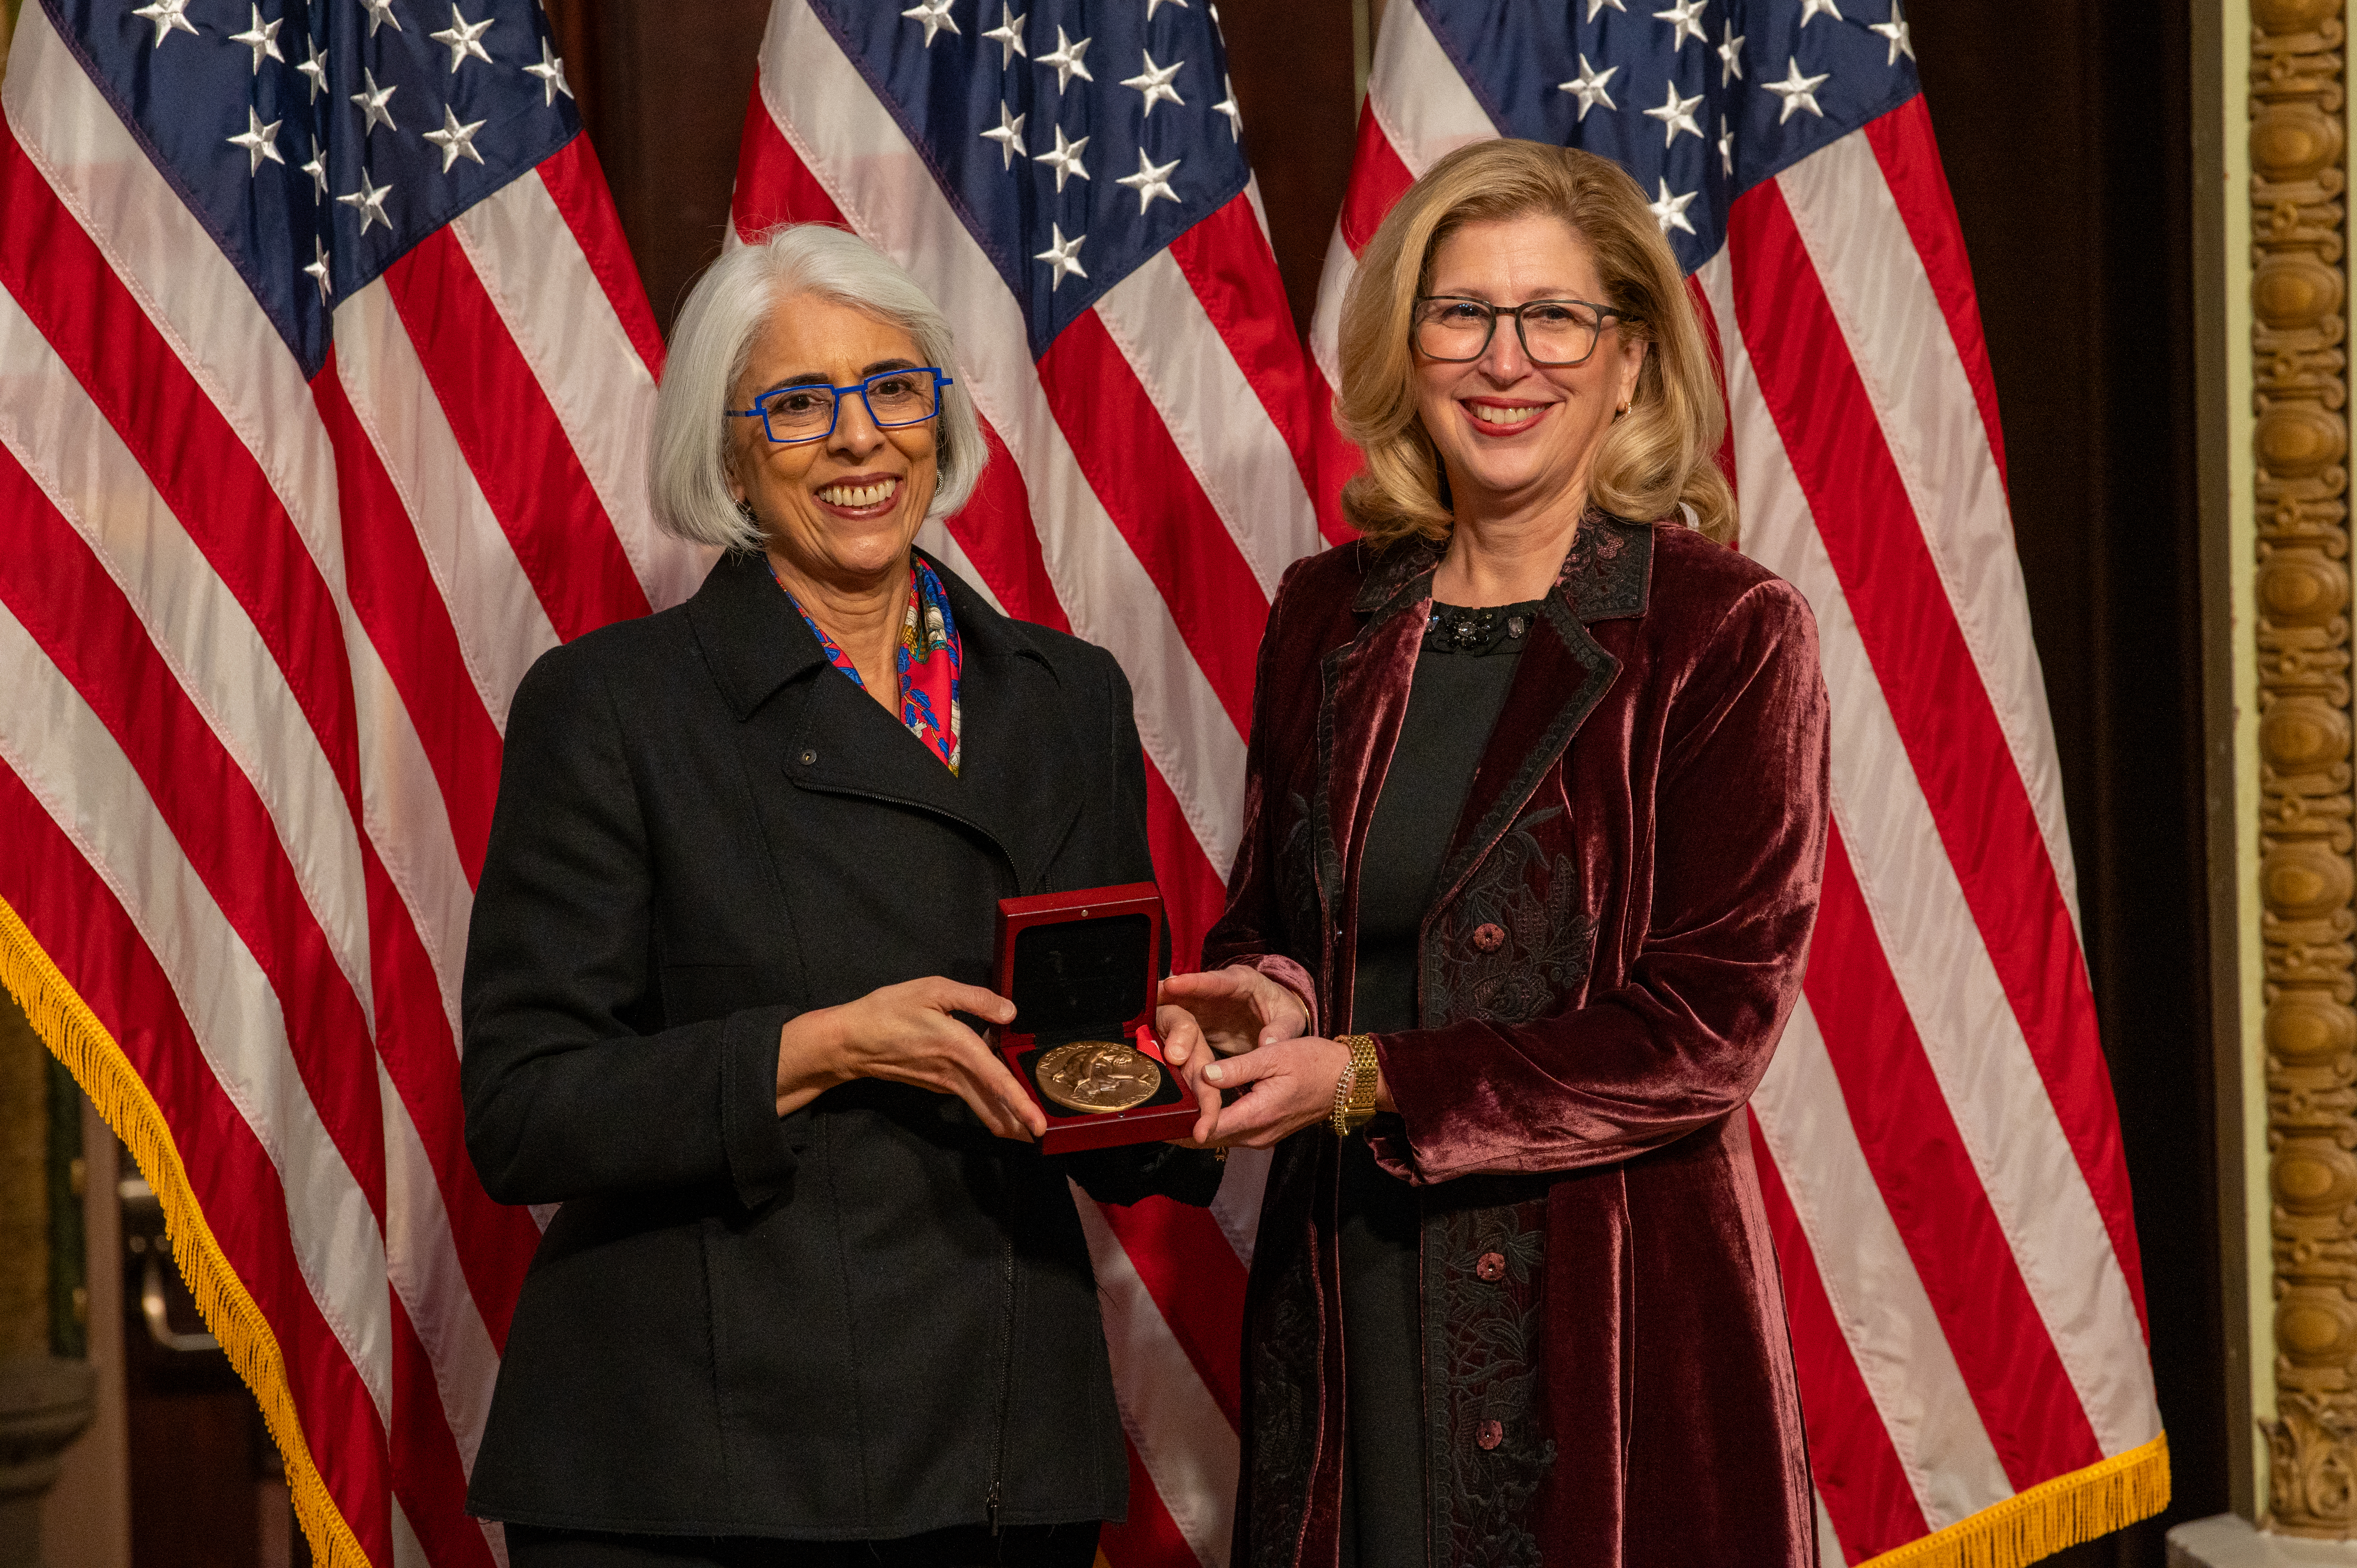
(1608, 574)
(754, 642)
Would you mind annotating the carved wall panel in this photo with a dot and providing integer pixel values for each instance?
(2298, 182)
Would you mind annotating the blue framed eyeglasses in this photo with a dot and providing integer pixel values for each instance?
(790, 415)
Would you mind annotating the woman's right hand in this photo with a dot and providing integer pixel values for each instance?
(906, 1033)
(1222, 1011)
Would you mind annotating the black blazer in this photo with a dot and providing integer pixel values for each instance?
(866, 1319)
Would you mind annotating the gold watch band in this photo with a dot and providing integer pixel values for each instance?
(1354, 1091)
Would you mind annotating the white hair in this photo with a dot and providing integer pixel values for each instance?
(688, 467)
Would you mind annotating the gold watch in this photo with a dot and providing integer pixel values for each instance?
(1354, 1091)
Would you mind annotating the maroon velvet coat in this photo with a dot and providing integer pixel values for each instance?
(1625, 911)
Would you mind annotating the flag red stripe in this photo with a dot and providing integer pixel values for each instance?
(197, 463)
(1857, 1470)
(494, 1242)
(1193, 894)
(1337, 458)
(577, 186)
(1378, 178)
(61, 594)
(75, 917)
(1902, 145)
(513, 444)
(407, 621)
(773, 184)
(427, 1477)
(1988, 825)
(1928, 1181)
(1227, 262)
(994, 528)
(1153, 497)
(1192, 1272)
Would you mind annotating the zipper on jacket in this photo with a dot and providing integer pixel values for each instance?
(1005, 1387)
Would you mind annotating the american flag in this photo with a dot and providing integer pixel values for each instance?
(324, 378)
(1937, 1137)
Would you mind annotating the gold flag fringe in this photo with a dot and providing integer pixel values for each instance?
(2064, 1511)
(77, 1038)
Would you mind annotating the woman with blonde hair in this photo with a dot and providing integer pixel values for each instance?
(1534, 826)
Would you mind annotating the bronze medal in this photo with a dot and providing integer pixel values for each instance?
(1098, 1076)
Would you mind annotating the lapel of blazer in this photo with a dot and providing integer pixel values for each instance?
(1014, 724)
(1562, 673)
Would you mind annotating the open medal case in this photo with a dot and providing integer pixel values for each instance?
(1080, 967)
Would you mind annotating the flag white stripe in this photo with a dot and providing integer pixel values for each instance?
(422, 1255)
(1236, 1206)
(1182, 1436)
(496, 611)
(1966, 1024)
(1899, 338)
(1829, 1552)
(1326, 323)
(1107, 594)
(65, 757)
(197, 628)
(1424, 106)
(602, 394)
(1214, 415)
(408, 1552)
(409, 822)
(1892, 1329)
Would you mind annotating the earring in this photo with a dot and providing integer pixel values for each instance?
(745, 511)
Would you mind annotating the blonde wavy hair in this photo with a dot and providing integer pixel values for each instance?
(1662, 452)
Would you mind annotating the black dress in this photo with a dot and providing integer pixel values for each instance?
(1461, 678)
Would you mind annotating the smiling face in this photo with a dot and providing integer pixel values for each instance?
(1515, 436)
(844, 509)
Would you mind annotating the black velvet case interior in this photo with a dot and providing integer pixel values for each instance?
(1083, 980)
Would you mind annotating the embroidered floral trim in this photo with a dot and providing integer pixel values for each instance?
(1515, 944)
(1485, 1346)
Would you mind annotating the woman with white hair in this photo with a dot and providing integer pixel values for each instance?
(811, 1295)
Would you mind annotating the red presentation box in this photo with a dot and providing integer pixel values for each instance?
(1080, 966)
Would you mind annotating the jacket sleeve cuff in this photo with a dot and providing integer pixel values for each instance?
(761, 1146)
(1290, 975)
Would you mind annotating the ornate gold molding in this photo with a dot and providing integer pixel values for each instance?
(2299, 179)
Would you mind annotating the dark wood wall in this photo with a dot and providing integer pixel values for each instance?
(2070, 156)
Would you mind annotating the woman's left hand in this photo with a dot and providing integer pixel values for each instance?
(1286, 1087)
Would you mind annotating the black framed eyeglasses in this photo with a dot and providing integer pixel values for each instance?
(790, 415)
(1554, 332)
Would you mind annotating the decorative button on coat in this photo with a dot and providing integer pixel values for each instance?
(1489, 936)
(1492, 1266)
(1490, 1435)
